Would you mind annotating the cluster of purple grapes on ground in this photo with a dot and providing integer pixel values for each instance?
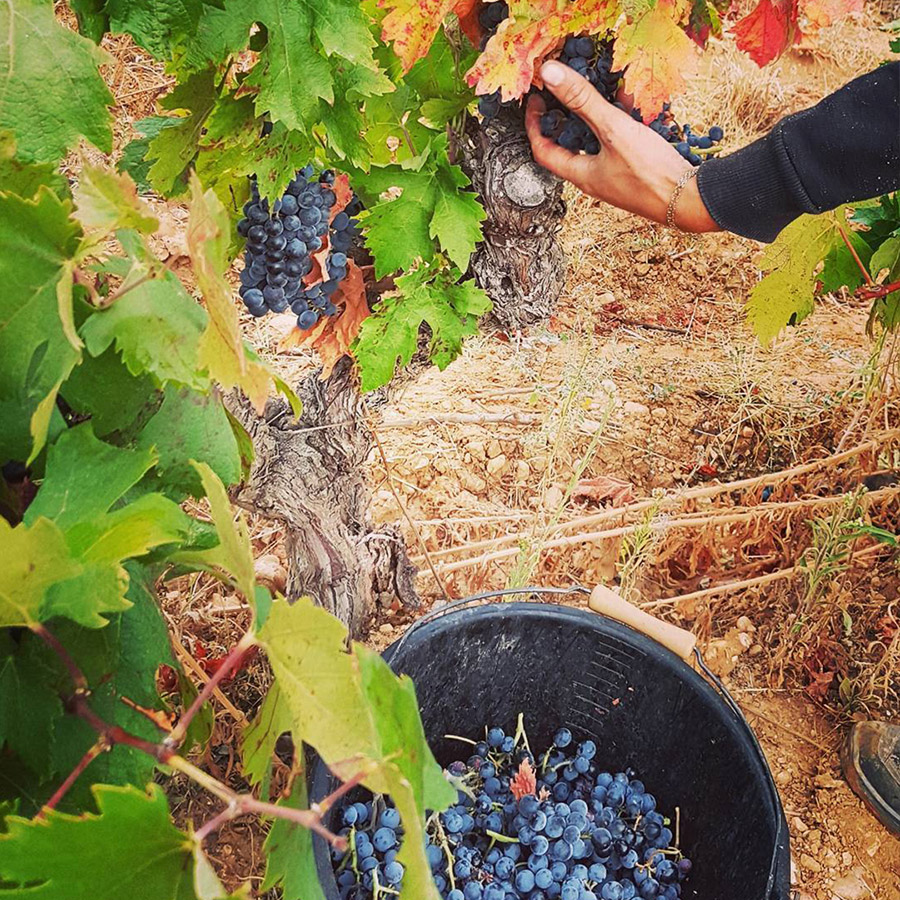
(583, 834)
(593, 59)
(281, 241)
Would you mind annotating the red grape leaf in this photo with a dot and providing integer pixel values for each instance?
(331, 337)
(534, 29)
(524, 781)
(768, 30)
(657, 53)
(468, 21)
(412, 24)
(815, 14)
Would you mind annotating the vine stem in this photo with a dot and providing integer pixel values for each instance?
(855, 255)
(241, 804)
(101, 746)
(230, 664)
(876, 291)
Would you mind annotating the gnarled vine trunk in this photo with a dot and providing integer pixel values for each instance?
(309, 474)
(520, 263)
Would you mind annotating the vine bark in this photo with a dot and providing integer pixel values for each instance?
(520, 263)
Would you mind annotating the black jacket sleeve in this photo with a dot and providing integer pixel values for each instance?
(845, 148)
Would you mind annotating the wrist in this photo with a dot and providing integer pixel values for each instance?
(691, 213)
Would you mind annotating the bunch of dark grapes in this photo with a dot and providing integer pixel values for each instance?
(490, 17)
(593, 59)
(580, 834)
(281, 242)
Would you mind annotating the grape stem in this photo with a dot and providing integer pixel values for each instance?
(229, 666)
(877, 291)
(101, 746)
(855, 255)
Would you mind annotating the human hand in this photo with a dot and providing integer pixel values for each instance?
(636, 169)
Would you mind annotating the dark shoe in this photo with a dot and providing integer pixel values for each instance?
(871, 761)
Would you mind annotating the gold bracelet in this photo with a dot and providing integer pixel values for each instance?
(673, 200)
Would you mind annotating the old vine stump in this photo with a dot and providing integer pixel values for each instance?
(520, 263)
(309, 474)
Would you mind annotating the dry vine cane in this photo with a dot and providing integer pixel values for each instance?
(166, 751)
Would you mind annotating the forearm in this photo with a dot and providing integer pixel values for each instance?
(845, 148)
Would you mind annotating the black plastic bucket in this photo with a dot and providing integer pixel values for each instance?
(644, 707)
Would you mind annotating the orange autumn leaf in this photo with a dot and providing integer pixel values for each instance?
(331, 337)
(524, 782)
(534, 30)
(768, 30)
(411, 25)
(657, 53)
(343, 194)
(468, 12)
(816, 14)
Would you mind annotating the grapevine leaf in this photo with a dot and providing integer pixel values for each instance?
(785, 294)
(391, 334)
(106, 202)
(84, 479)
(119, 661)
(116, 401)
(457, 218)
(879, 219)
(175, 146)
(64, 857)
(92, 20)
(290, 862)
(51, 92)
(221, 349)
(156, 326)
(767, 30)
(259, 738)
(534, 29)
(656, 55)
(134, 158)
(155, 25)
(187, 426)
(411, 25)
(817, 14)
(24, 179)
(29, 709)
(840, 269)
(233, 555)
(37, 239)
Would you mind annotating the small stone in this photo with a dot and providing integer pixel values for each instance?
(269, 570)
(783, 777)
(747, 432)
(494, 449)
(523, 470)
(799, 825)
(606, 297)
(659, 413)
(635, 409)
(809, 863)
(472, 482)
(553, 498)
(847, 858)
(386, 628)
(476, 448)
(744, 624)
(496, 465)
(850, 887)
(755, 649)
(826, 781)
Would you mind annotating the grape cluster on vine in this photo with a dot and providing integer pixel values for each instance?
(565, 830)
(282, 243)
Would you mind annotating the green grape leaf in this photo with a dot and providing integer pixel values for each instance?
(66, 857)
(887, 256)
(156, 326)
(840, 269)
(785, 294)
(29, 709)
(84, 479)
(424, 204)
(394, 136)
(273, 718)
(233, 556)
(117, 401)
(106, 202)
(25, 179)
(390, 335)
(134, 158)
(290, 863)
(187, 426)
(37, 240)
(93, 22)
(361, 719)
(879, 218)
(155, 25)
(221, 348)
(51, 92)
(175, 146)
